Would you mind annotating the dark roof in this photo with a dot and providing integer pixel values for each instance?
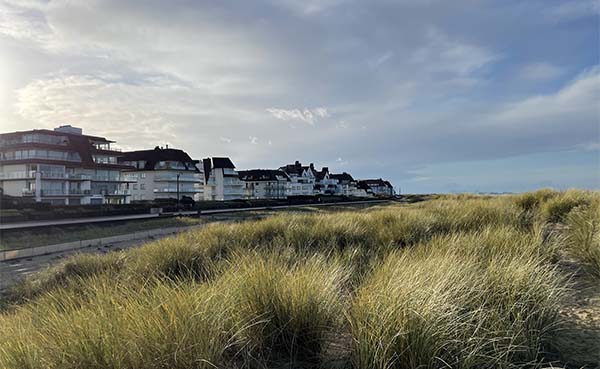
(376, 182)
(156, 155)
(96, 139)
(222, 163)
(297, 168)
(80, 143)
(320, 175)
(216, 162)
(262, 175)
(342, 177)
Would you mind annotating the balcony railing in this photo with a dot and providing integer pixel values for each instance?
(174, 179)
(61, 192)
(181, 190)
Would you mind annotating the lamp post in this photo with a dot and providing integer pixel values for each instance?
(178, 174)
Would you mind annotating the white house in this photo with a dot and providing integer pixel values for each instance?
(325, 183)
(302, 179)
(348, 186)
(221, 180)
(163, 174)
(265, 183)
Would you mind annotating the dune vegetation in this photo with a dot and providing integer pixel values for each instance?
(459, 281)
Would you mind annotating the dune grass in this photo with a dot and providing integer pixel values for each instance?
(458, 281)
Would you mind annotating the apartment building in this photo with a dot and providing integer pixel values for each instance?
(347, 186)
(63, 167)
(265, 183)
(163, 173)
(221, 180)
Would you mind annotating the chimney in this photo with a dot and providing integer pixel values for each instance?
(166, 146)
(312, 166)
(297, 163)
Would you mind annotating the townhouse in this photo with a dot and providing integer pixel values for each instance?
(221, 180)
(302, 179)
(265, 183)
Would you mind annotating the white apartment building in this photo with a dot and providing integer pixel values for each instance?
(265, 183)
(348, 186)
(63, 167)
(221, 180)
(163, 173)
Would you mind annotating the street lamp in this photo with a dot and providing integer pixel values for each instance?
(178, 174)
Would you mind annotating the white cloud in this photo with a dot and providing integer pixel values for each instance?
(579, 99)
(570, 10)
(443, 54)
(380, 60)
(253, 140)
(309, 116)
(540, 71)
(225, 139)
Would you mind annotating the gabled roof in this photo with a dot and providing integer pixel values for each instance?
(151, 157)
(262, 175)
(321, 174)
(342, 177)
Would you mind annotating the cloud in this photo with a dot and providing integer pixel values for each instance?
(309, 116)
(570, 10)
(540, 71)
(388, 86)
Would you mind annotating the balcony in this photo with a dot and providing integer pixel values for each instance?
(174, 190)
(173, 178)
(61, 192)
(17, 175)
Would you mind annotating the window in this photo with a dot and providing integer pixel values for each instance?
(135, 186)
(143, 175)
(142, 186)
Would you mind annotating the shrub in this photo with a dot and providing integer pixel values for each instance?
(288, 306)
(557, 208)
(582, 237)
(441, 307)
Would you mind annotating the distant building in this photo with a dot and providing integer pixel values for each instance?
(348, 186)
(163, 173)
(325, 184)
(63, 167)
(265, 183)
(221, 180)
(379, 187)
(302, 179)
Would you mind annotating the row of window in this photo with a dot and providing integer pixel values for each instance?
(41, 154)
(35, 138)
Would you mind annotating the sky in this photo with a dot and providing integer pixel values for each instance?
(434, 95)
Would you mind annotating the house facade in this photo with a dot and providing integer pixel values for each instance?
(221, 180)
(348, 186)
(265, 183)
(302, 179)
(163, 173)
(63, 167)
(378, 187)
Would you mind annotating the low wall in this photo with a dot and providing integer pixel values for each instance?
(74, 245)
